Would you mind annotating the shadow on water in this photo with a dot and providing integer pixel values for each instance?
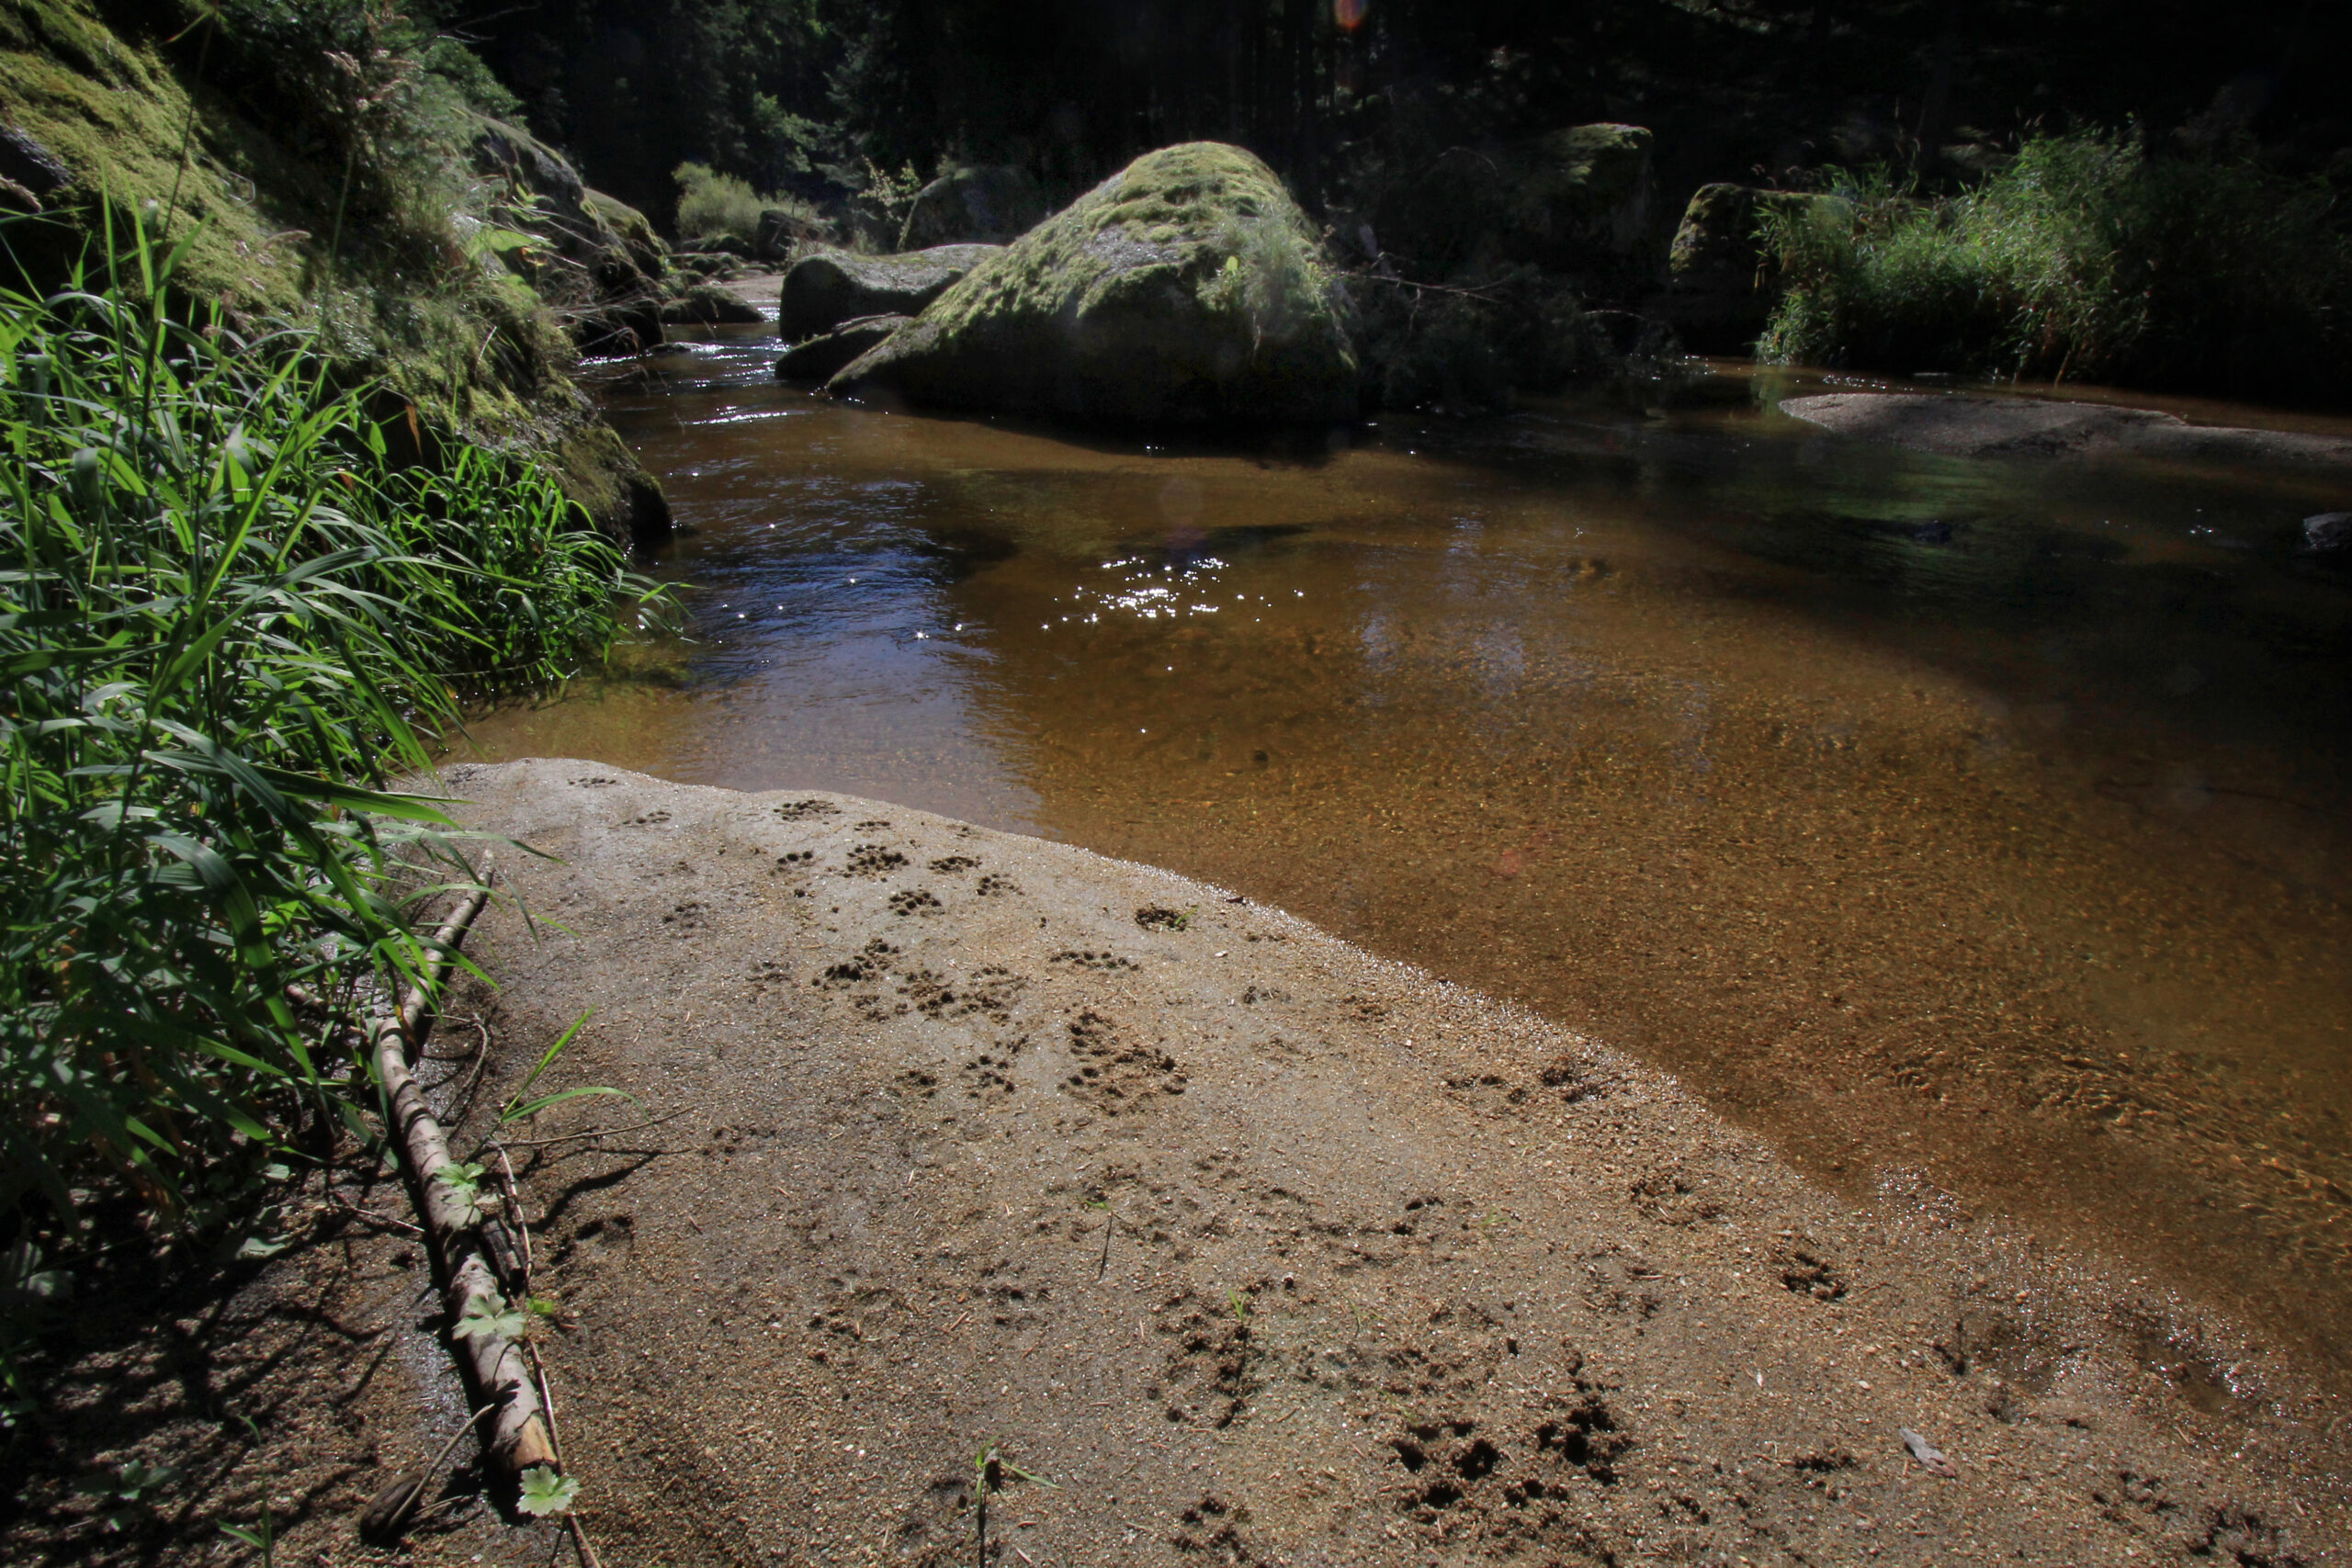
(1973, 822)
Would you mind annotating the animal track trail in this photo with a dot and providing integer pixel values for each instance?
(995, 886)
(952, 866)
(1114, 1074)
(1086, 958)
(802, 810)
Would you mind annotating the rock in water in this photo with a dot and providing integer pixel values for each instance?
(1187, 289)
(822, 290)
(820, 358)
(2328, 531)
(991, 203)
(708, 304)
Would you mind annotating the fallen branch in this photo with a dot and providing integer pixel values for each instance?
(518, 1434)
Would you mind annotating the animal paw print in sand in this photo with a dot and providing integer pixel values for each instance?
(872, 824)
(1089, 958)
(1113, 1074)
(917, 1083)
(948, 865)
(988, 1075)
(592, 781)
(1256, 994)
(801, 810)
(687, 918)
(1212, 1365)
(1364, 1008)
(1576, 1080)
(1467, 1477)
(649, 819)
(1806, 1273)
(995, 886)
(1490, 1092)
(862, 967)
(1158, 918)
(874, 859)
(795, 860)
(991, 990)
(915, 901)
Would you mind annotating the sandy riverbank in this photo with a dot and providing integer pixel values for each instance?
(1395, 1274)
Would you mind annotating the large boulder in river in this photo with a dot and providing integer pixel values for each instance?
(1579, 199)
(1187, 289)
(825, 289)
(994, 203)
(1720, 280)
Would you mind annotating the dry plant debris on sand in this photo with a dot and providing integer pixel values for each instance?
(1392, 1274)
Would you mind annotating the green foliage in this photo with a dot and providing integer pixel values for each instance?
(223, 616)
(1469, 346)
(2084, 258)
(712, 205)
(546, 1493)
(517, 1109)
(494, 1316)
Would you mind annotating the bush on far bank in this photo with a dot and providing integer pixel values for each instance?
(2084, 259)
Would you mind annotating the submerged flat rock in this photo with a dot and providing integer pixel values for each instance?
(1962, 426)
(1254, 1244)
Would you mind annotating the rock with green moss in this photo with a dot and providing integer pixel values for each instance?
(1187, 289)
(991, 204)
(1579, 199)
(711, 304)
(824, 289)
(1721, 282)
(820, 358)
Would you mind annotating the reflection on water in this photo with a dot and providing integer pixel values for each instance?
(1975, 820)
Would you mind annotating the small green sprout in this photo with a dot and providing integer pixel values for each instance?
(545, 1492)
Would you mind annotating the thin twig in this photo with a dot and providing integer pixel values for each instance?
(1110, 1226)
(540, 1369)
(371, 1214)
(595, 1132)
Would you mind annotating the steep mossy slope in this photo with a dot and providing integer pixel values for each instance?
(359, 219)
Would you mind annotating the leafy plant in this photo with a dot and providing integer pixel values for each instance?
(545, 1492)
(2084, 258)
(464, 1185)
(262, 1537)
(127, 1493)
(494, 1316)
(517, 1109)
(225, 614)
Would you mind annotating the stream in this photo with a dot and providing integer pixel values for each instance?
(1974, 829)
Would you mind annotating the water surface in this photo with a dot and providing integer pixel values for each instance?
(1972, 821)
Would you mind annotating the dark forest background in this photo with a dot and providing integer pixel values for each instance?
(800, 96)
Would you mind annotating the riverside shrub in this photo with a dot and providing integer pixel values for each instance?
(224, 616)
(2083, 259)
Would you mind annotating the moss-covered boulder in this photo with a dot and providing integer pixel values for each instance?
(710, 305)
(1721, 286)
(825, 289)
(1187, 289)
(991, 204)
(1579, 199)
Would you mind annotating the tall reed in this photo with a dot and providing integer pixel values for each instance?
(225, 615)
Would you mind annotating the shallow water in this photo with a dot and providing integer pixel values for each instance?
(1968, 821)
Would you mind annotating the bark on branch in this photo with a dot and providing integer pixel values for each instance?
(518, 1433)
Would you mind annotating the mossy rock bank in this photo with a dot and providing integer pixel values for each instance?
(1187, 289)
(1722, 285)
(991, 204)
(825, 289)
(102, 123)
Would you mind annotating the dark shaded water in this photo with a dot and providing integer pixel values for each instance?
(1971, 820)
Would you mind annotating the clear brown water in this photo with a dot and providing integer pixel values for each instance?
(1970, 820)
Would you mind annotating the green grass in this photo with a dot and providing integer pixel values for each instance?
(2084, 259)
(225, 618)
(712, 206)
